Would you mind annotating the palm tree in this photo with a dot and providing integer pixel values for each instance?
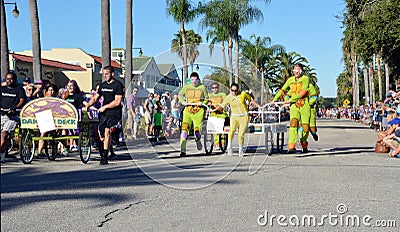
(128, 52)
(287, 61)
(243, 14)
(218, 37)
(217, 17)
(260, 52)
(36, 48)
(310, 72)
(193, 41)
(105, 33)
(183, 12)
(5, 63)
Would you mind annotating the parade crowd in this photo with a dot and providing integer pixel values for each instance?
(175, 114)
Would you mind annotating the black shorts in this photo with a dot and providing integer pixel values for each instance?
(108, 120)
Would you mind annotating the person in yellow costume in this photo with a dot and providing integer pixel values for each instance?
(192, 96)
(239, 117)
(298, 85)
(216, 98)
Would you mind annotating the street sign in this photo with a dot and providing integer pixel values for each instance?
(346, 102)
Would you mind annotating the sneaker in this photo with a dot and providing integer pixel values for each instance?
(314, 135)
(305, 150)
(103, 161)
(199, 145)
(291, 151)
(3, 157)
(112, 155)
(74, 149)
(230, 152)
(183, 154)
(36, 155)
(241, 153)
(65, 152)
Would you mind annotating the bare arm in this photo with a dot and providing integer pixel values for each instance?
(92, 100)
(117, 101)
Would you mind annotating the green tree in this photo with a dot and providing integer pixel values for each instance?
(243, 14)
(228, 17)
(344, 88)
(260, 51)
(183, 12)
(193, 41)
(371, 30)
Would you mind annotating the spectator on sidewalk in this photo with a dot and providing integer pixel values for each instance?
(132, 103)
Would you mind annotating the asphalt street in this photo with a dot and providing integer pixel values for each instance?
(340, 185)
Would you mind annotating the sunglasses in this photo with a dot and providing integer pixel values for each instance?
(29, 89)
(214, 87)
(234, 90)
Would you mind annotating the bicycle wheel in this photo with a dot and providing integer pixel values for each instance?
(84, 147)
(208, 142)
(25, 147)
(223, 142)
(50, 149)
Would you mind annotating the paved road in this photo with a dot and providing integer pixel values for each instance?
(341, 178)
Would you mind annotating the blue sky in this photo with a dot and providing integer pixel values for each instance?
(308, 27)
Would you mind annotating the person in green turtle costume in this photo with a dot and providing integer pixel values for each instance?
(192, 96)
(298, 87)
(216, 98)
(313, 98)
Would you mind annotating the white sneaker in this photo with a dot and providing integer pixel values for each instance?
(241, 153)
(74, 149)
(230, 152)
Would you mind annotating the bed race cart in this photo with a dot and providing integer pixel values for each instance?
(51, 116)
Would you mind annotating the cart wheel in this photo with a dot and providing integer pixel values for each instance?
(280, 137)
(84, 147)
(25, 147)
(269, 142)
(223, 142)
(50, 149)
(208, 143)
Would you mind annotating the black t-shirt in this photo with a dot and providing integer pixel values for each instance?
(108, 91)
(10, 96)
(76, 100)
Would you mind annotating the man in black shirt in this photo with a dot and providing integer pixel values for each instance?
(111, 111)
(12, 97)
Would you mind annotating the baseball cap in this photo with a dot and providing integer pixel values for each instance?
(39, 82)
(27, 79)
